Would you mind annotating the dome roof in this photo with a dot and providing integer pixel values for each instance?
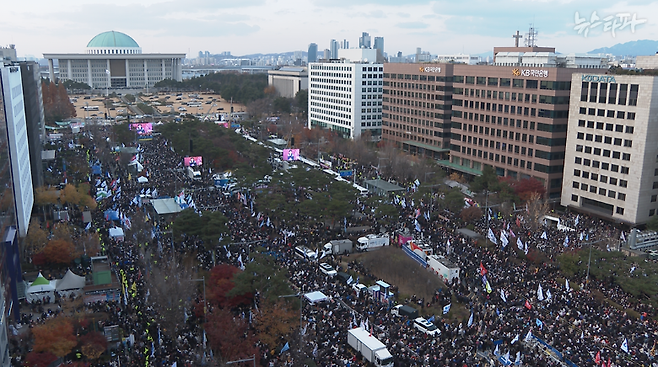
(112, 39)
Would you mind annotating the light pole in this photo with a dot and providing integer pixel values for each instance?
(589, 261)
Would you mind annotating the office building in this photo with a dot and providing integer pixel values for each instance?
(114, 60)
(34, 117)
(513, 117)
(458, 59)
(379, 45)
(611, 158)
(345, 44)
(364, 40)
(333, 47)
(8, 54)
(346, 96)
(288, 80)
(312, 52)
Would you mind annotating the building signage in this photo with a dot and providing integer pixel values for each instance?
(430, 69)
(599, 78)
(528, 72)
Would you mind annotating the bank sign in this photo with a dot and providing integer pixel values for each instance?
(430, 69)
(599, 78)
(528, 72)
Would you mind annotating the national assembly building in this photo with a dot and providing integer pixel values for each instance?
(114, 60)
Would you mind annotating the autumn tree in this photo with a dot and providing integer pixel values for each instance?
(88, 243)
(93, 345)
(221, 283)
(274, 321)
(36, 239)
(470, 214)
(39, 359)
(59, 251)
(55, 336)
(526, 187)
(229, 335)
(56, 103)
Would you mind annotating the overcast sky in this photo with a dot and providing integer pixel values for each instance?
(267, 26)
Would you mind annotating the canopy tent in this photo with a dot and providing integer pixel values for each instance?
(116, 233)
(96, 169)
(315, 297)
(111, 214)
(41, 288)
(166, 206)
(142, 179)
(70, 284)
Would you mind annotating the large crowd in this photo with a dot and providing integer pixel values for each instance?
(510, 321)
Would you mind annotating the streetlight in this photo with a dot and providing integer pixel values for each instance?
(589, 261)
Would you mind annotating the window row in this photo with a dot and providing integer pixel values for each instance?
(603, 152)
(600, 178)
(601, 191)
(603, 165)
(607, 113)
(510, 161)
(612, 93)
(607, 126)
(604, 139)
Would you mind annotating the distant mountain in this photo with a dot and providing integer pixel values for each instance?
(632, 48)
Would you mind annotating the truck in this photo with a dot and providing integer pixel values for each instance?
(405, 311)
(373, 350)
(372, 242)
(443, 267)
(337, 247)
(194, 175)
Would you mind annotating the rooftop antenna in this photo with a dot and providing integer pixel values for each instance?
(531, 36)
(516, 38)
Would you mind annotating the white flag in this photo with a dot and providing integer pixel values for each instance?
(623, 237)
(492, 237)
(446, 308)
(528, 336)
(496, 352)
(519, 244)
(503, 296)
(516, 339)
(566, 241)
(577, 219)
(566, 285)
(543, 235)
(518, 358)
(503, 239)
(548, 295)
(470, 320)
(624, 345)
(540, 293)
(525, 250)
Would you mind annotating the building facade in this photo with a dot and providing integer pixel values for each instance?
(288, 80)
(513, 118)
(115, 60)
(312, 52)
(611, 161)
(346, 97)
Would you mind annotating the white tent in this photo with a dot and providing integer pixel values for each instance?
(116, 233)
(315, 297)
(142, 179)
(41, 288)
(70, 284)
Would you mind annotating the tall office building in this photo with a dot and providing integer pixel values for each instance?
(346, 96)
(345, 44)
(379, 45)
(511, 117)
(312, 52)
(8, 54)
(34, 117)
(364, 40)
(611, 158)
(333, 47)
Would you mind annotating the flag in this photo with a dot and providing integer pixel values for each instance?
(503, 296)
(448, 247)
(543, 235)
(431, 319)
(525, 249)
(623, 237)
(624, 345)
(566, 241)
(506, 357)
(548, 295)
(503, 239)
(528, 336)
(577, 219)
(496, 351)
(285, 348)
(540, 324)
(511, 233)
(470, 320)
(492, 237)
(597, 359)
(240, 263)
(446, 308)
(566, 285)
(527, 305)
(482, 269)
(516, 339)
(518, 358)
(88, 226)
(350, 280)
(519, 244)
(582, 235)
(315, 351)
(488, 286)
(540, 293)
(417, 226)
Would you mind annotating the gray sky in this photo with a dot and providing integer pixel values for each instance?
(265, 26)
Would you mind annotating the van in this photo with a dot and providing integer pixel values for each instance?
(426, 327)
(305, 253)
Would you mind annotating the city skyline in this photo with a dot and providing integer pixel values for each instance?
(265, 26)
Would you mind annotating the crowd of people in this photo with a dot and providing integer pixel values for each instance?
(511, 321)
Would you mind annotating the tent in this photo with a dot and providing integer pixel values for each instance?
(111, 215)
(142, 179)
(315, 297)
(40, 288)
(116, 233)
(70, 284)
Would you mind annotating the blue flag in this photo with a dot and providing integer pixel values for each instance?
(446, 308)
(431, 319)
(540, 324)
(285, 348)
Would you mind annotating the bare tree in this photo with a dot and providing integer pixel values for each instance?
(537, 208)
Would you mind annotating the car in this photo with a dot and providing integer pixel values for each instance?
(426, 327)
(326, 269)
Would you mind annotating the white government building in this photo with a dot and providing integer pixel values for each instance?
(345, 95)
(114, 60)
(611, 157)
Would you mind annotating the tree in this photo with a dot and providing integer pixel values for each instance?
(275, 321)
(221, 283)
(37, 359)
(59, 252)
(209, 226)
(229, 336)
(537, 209)
(36, 239)
(526, 187)
(56, 103)
(488, 181)
(55, 336)
(73, 85)
(262, 275)
(93, 345)
(282, 104)
(652, 224)
(470, 214)
(454, 200)
(301, 100)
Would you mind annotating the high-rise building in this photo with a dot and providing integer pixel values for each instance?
(312, 52)
(611, 157)
(346, 96)
(379, 45)
(34, 117)
(333, 47)
(8, 54)
(288, 81)
(512, 117)
(345, 44)
(364, 40)
(327, 54)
